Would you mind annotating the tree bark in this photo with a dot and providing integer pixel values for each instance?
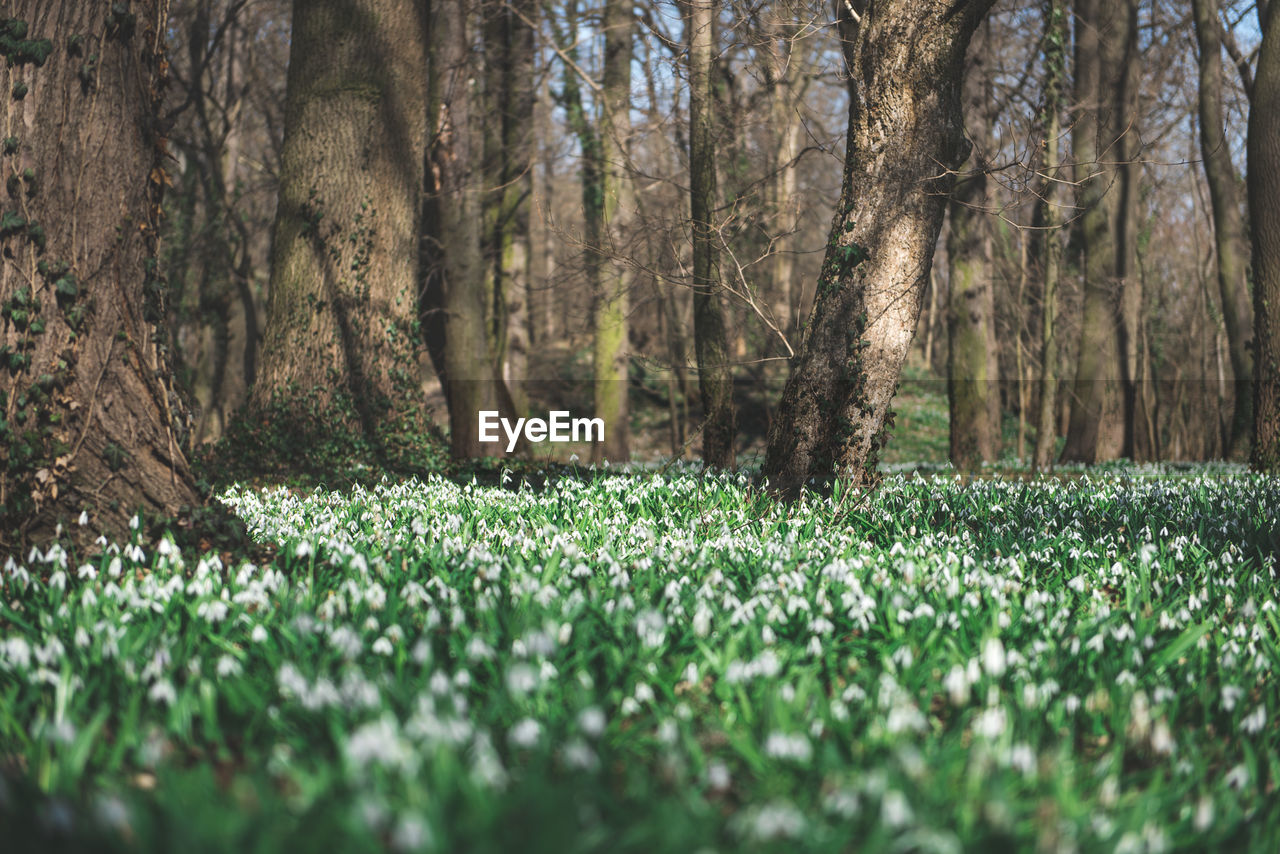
(89, 420)
(1051, 220)
(454, 286)
(340, 347)
(715, 377)
(1228, 221)
(1096, 428)
(612, 298)
(905, 141)
(1264, 218)
(973, 395)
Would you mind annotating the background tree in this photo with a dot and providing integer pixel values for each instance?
(340, 349)
(89, 419)
(1264, 220)
(905, 139)
(715, 377)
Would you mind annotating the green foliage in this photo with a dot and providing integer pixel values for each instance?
(17, 49)
(676, 662)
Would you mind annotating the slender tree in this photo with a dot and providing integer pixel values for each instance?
(89, 420)
(715, 378)
(1264, 220)
(905, 141)
(973, 392)
(1050, 219)
(340, 351)
(1228, 220)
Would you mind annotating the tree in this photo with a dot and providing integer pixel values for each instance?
(973, 393)
(89, 420)
(1264, 219)
(905, 140)
(715, 378)
(1228, 220)
(341, 340)
(1051, 221)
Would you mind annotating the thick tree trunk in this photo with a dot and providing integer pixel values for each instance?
(340, 346)
(1228, 221)
(89, 420)
(715, 378)
(612, 298)
(1264, 218)
(1051, 243)
(905, 139)
(973, 394)
(1096, 429)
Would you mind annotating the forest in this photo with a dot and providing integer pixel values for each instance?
(440, 425)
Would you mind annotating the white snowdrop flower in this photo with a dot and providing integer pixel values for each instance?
(228, 667)
(775, 820)
(843, 802)
(86, 571)
(439, 683)
(84, 518)
(579, 756)
(1022, 758)
(421, 652)
(794, 747)
(521, 679)
(1231, 695)
(643, 693)
(1238, 777)
(1204, 813)
(1256, 720)
(651, 626)
(382, 646)
(895, 811)
(214, 611)
(702, 621)
(788, 693)
(478, 650)
(592, 721)
(82, 638)
(628, 707)
(133, 523)
(525, 733)
(958, 685)
(303, 549)
(115, 567)
(345, 640)
(1071, 703)
(411, 834)
(162, 691)
(767, 635)
(259, 634)
(165, 547)
(991, 723)
(667, 732)
(1161, 738)
(58, 581)
(718, 775)
(814, 647)
(993, 657)
(565, 634)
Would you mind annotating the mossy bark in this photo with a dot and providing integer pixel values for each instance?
(905, 140)
(89, 418)
(1264, 219)
(715, 376)
(973, 393)
(340, 349)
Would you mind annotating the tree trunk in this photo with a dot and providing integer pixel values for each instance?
(1051, 219)
(89, 420)
(340, 347)
(1264, 218)
(715, 378)
(1096, 429)
(905, 139)
(612, 298)
(454, 290)
(973, 395)
(1228, 221)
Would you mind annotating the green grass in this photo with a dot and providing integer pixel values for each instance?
(671, 663)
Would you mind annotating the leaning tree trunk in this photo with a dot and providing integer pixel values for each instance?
(715, 377)
(339, 356)
(1264, 218)
(973, 394)
(905, 141)
(1228, 221)
(88, 417)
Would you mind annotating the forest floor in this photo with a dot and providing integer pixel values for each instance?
(660, 662)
